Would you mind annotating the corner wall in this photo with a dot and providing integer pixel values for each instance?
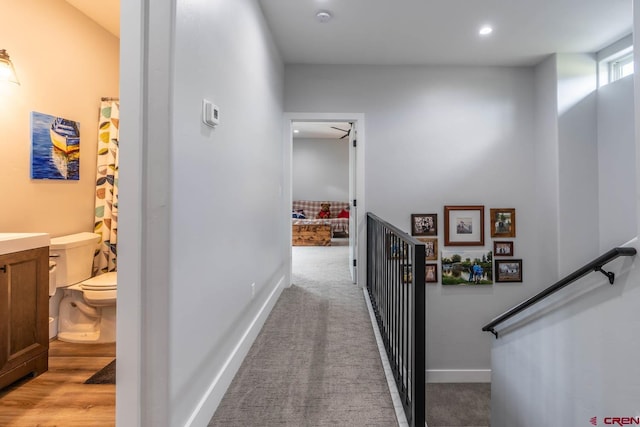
(65, 63)
(578, 239)
(572, 357)
(202, 209)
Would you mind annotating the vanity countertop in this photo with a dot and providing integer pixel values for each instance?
(16, 242)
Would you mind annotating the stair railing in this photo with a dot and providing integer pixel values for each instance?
(595, 265)
(396, 287)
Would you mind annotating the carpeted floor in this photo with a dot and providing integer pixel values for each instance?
(456, 405)
(315, 362)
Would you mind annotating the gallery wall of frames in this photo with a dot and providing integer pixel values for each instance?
(465, 257)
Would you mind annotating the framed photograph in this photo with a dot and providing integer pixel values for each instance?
(407, 273)
(509, 270)
(464, 225)
(431, 273)
(396, 247)
(467, 267)
(430, 248)
(503, 222)
(424, 224)
(503, 248)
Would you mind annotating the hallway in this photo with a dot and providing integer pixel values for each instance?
(316, 361)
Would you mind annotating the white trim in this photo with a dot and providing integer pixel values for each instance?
(393, 389)
(206, 407)
(458, 375)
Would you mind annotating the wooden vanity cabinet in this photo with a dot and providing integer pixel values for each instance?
(24, 314)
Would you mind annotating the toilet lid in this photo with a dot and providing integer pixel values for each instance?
(106, 282)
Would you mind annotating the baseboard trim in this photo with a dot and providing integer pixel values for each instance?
(207, 406)
(458, 375)
(391, 383)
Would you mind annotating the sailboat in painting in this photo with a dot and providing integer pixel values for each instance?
(65, 135)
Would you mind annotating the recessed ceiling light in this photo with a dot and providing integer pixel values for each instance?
(323, 16)
(296, 131)
(485, 30)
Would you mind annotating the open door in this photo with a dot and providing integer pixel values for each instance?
(353, 204)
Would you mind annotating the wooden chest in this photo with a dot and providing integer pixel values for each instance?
(311, 235)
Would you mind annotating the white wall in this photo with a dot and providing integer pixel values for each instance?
(577, 161)
(438, 136)
(64, 69)
(546, 168)
(320, 169)
(572, 357)
(203, 208)
(616, 163)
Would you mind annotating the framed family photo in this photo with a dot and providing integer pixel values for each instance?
(424, 224)
(430, 248)
(503, 248)
(503, 222)
(508, 270)
(431, 273)
(464, 225)
(466, 267)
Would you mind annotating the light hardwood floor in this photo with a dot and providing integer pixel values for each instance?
(59, 397)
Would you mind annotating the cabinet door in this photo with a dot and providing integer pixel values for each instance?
(4, 312)
(24, 306)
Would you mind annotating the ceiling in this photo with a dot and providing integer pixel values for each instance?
(443, 32)
(320, 130)
(436, 32)
(105, 12)
(424, 32)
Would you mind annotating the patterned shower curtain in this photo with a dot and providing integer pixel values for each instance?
(106, 214)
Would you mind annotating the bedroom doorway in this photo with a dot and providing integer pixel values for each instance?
(324, 162)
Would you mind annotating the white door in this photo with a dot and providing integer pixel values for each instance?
(353, 229)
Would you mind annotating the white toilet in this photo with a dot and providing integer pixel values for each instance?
(87, 311)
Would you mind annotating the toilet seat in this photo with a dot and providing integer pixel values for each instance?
(100, 290)
(103, 282)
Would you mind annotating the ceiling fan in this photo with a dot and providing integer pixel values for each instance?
(346, 131)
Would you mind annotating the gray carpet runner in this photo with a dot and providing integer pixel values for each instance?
(315, 362)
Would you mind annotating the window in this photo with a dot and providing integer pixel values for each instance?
(621, 67)
(615, 61)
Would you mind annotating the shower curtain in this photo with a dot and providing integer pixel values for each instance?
(106, 213)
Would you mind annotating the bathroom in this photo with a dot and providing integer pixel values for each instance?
(66, 63)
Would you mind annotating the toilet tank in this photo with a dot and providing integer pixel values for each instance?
(73, 255)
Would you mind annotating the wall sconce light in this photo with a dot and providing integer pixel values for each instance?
(7, 72)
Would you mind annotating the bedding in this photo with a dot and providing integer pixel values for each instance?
(306, 212)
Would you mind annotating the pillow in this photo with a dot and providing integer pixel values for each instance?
(343, 214)
(298, 214)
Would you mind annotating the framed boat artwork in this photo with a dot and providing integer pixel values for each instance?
(55, 147)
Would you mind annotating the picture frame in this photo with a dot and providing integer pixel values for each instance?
(464, 225)
(501, 249)
(508, 270)
(431, 273)
(466, 267)
(55, 148)
(396, 248)
(503, 222)
(431, 248)
(424, 224)
(407, 273)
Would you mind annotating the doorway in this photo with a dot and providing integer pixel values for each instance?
(345, 132)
